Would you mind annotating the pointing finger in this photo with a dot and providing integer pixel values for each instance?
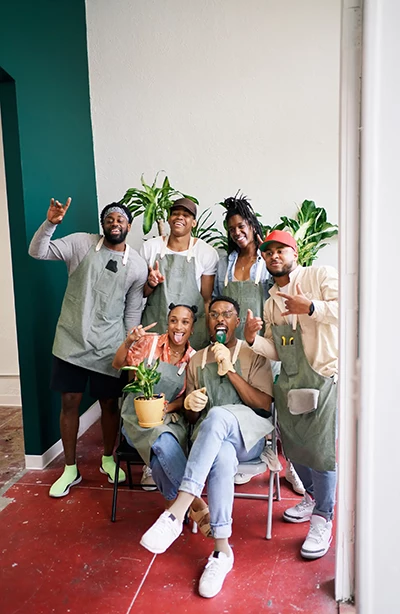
(149, 326)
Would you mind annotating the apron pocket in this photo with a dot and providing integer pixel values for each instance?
(302, 400)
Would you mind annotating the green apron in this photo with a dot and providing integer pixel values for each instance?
(222, 393)
(171, 383)
(91, 324)
(307, 438)
(179, 287)
(249, 295)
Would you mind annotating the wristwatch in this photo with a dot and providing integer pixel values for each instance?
(312, 309)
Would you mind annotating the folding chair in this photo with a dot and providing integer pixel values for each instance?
(257, 467)
(248, 467)
(130, 456)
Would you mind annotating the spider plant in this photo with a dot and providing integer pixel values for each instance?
(153, 202)
(145, 379)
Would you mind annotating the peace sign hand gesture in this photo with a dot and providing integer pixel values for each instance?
(296, 304)
(155, 277)
(57, 210)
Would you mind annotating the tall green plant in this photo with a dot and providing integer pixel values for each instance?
(310, 228)
(145, 379)
(152, 202)
(208, 231)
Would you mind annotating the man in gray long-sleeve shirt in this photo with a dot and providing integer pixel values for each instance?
(102, 302)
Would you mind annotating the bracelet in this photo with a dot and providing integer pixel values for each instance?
(312, 309)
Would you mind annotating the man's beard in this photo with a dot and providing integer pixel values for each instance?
(286, 269)
(115, 239)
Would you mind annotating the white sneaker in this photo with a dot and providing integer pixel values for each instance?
(301, 512)
(214, 574)
(242, 478)
(293, 479)
(162, 534)
(318, 539)
(146, 480)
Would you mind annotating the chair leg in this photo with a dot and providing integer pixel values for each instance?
(130, 482)
(115, 492)
(270, 504)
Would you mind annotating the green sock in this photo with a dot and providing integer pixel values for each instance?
(108, 466)
(69, 477)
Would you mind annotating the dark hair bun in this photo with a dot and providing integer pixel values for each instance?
(171, 306)
(194, 308)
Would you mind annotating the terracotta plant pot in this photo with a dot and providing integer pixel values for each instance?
(150, 412)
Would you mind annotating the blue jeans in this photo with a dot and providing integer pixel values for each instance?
(215, 455)
(322, 486)
(167, 463)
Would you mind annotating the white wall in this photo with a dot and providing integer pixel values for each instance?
(223, 95)
(378, 533)
(9, 369)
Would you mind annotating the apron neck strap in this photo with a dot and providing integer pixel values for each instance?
(99, 244)
(163, 247)
(126, 252)
(258, 271)
(152, 351)
(237, 350)
(190, 249)
(126, 255)
(185, 364)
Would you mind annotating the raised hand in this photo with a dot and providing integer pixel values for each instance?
(296, 304)
(138, 332)
(259, 242)
(223, 358)
(155, 277)
(196, 400)
(57, 210)
(252, 325)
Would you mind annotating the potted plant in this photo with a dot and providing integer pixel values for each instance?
(310, 228)
(153, 203)
(149, 407)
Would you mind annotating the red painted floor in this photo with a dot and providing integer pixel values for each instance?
(65, 556)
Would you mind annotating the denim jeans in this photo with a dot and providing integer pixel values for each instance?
(322, 486)
(167, 463)
(215, 455)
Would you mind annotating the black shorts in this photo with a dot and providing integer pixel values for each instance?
(66, 377)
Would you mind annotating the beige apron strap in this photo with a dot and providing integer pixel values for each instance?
(126, 255)
(226, 278)
(204, 359)
(152, 351)
(163, 249)
(258, 271)
(185, 364)
(190, 249)
(99, 244)
(237, 350)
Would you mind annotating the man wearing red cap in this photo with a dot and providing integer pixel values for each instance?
(301, 330)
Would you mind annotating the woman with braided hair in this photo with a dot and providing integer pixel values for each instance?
(242, 274)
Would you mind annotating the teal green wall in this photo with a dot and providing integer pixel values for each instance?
(48, 149)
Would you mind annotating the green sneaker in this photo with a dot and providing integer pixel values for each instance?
(70, 477)
(108, 467)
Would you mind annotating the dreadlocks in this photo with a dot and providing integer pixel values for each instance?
(239, 205)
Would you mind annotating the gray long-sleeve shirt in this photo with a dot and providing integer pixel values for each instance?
(73, 248)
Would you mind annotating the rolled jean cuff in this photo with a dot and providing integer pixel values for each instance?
(192, 487)
(327, 515)
(221, 531)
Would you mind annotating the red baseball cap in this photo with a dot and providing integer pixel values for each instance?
(279, 236)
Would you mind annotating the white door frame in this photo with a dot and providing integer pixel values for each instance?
(349, 199)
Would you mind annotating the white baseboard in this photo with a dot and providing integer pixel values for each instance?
(37, 461)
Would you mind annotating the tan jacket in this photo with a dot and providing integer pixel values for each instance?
(319, 331)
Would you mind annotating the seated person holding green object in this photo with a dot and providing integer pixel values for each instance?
(174, 350)
(228, 396)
